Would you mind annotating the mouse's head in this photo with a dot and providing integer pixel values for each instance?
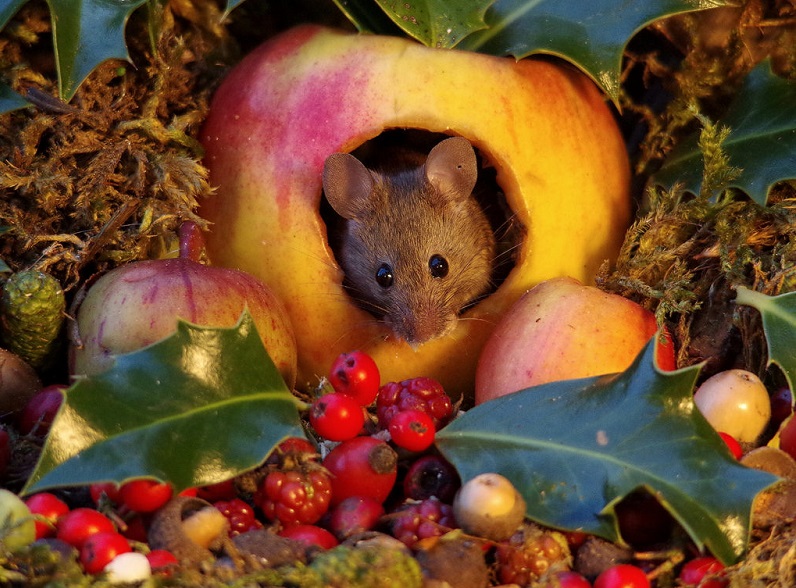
(416, 247)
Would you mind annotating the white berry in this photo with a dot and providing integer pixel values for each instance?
(128, 567)
(735, 402)
(489, 506)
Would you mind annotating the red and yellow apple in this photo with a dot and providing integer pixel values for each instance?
(138, 304)
(312, 91)
(562, 329)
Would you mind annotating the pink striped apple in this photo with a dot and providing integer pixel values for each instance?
(561, 330)
(312, 92)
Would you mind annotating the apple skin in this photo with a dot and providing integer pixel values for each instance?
(313, 91)
(138, 304)
(561, 330)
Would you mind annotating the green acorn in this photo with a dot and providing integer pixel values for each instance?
(32, 312)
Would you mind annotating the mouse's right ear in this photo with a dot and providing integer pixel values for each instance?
(347, 184)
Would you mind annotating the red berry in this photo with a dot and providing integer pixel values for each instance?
(569, 579)
(622, 576)
(336, 417)
(99, 549)
(295, 497)
(145, 495)
(135, 528)
(732, 444)
(81, 523)
(695, 570)
(418, 393)
(161, 559)
(109, 489)
(787, 437)
(356, 374)
(40, 410)
(414, 521)
(431, 475)
(781, 405)
(412, 430)
(239, 514)
(362, 466)
(49, 507)
(310, 535)
(355, 514)
(222, 491)
(664, 351)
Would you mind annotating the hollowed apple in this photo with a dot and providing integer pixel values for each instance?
(312, 91)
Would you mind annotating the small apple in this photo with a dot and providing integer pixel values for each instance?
(138, 304)
(312, 91)
(561, 330)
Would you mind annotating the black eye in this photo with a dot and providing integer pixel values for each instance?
(384, 275)
(438, 266)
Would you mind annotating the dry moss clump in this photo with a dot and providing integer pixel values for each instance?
(106, 178)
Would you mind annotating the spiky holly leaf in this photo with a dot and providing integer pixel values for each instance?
(86, 33)
(196, 408)
(592, 35)
(575, 448)
(762, 139)
(10, 100)
(779, 325)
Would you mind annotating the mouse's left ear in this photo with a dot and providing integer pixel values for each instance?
(451, 167)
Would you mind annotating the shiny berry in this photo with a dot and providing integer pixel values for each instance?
(295, 497)
(49, 507)
(418, 393)
(431, 475)
(160, 560)
(221, 491)
(362, 466)
(81, 523)
(732, 444)
(357, 375)
(310, 535)
(336, 417)
(40, 410)
(106, 490)
(622, 576)
(695, 570)
(412, 430)
(98, 550)
(145, 495)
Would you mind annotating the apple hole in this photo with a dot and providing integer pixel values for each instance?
(508, 231)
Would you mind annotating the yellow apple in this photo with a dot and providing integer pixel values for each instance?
(313, 91)
(562, 330)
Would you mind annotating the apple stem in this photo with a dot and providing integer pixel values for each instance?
(192, 242)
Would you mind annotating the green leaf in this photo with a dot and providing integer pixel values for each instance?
(10, 100)
(762, 139)
(437, 23)
(196, 408)
(591, 34)
(366, 16)
(8, 8)
(86, 33)
(231, 5)
(779, 325)
(575, 448)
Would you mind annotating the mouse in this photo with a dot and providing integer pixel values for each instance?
(414, 244)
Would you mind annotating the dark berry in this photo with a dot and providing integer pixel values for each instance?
(431, 475)
(414, 521)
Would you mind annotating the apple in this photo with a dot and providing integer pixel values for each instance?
(137, 304)
(562, 329)
(313, 91)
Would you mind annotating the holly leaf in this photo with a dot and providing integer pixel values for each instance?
(10, 100)
(779, 325)
(196, 408)
(367, 17)
(591, 35)
(575, 448)
(86, 33)
(762, 139)
(8, 8)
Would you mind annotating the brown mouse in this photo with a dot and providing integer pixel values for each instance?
(415, 245)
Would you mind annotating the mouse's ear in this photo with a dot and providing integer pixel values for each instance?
(451, 167)
(347, 184)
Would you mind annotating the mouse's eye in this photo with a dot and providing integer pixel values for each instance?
(384, 275)
(438, 266)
